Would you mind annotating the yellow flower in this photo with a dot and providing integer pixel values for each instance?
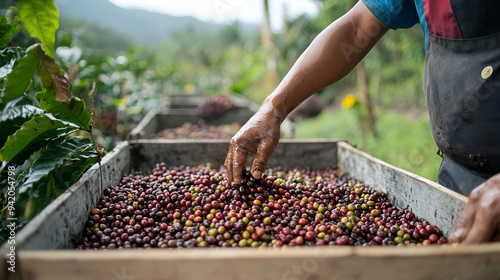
(189, 88)
(122, 103)
(349, 101)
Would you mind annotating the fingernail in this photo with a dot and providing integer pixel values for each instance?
(257, 174)
(457, 235)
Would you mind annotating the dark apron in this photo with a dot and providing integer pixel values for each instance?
(462, 87)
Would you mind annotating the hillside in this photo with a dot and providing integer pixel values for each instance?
(141, 27)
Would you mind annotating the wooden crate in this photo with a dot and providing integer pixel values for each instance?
(44, 245)
(182, 109)
(184, 101)
(158, 120)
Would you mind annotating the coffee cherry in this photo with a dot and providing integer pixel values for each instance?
(185, 207)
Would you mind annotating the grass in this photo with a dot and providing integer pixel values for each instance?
(403, 142)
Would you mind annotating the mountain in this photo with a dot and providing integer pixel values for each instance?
(140, 26)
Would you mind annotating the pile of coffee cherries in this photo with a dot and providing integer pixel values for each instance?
(214, 107)
(200, 131)
(186, 207)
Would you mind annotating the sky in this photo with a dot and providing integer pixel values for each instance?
(225, 11)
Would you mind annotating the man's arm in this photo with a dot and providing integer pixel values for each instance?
(331, 56)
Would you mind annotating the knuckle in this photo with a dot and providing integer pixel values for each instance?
(475, 195)
(233, 141)
(489, 203)
(259, 165)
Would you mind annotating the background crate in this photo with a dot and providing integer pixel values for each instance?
(173, 117)
(60, 226)
(184, 101)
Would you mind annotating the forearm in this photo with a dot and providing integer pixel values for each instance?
(331, 56)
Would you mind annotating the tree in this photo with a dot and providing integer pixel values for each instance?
(40, 155)
(272, 78)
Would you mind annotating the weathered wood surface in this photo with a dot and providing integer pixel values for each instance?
(289, 153)
(147, 127)
(474, 262)
(426, 199)
(184, 101)
(60, 224)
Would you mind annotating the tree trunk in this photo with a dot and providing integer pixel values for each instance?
(271, 81)
(363, 84)
(265, 30)
(378, 76)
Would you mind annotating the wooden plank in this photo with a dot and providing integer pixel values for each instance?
(146, 127)
(289, 153)
(184, 101)
(60, 224)
(3, 265)
(433, 262)
(426, 199)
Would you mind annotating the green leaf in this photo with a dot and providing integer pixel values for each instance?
(2, 168)
(22, 174)
(21, 75)
(51, 171)
(75, 111)
(61, 178)
(41, 19)
(33, 131)
(52, 158)
(67, 174)
(53, 77)
(8, 58)
(15, 113)
(6, 32)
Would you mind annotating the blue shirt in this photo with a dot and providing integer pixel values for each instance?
(397, 14)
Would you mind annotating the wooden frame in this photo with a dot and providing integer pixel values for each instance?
(473, 262)
(39, 254)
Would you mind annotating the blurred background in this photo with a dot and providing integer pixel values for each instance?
(137, 53)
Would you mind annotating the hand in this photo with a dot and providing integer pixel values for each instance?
(260, 135)
(480, 220)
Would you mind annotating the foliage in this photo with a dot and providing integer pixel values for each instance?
(130, 80)
(134, 79)
(41, 20)
(99, 39)
(405, 142)
(40, 154)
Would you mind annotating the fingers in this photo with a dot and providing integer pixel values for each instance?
(480, 220)
(481, 230)
(239, 160)
(259, 162)
(260, 135)
(466, 218)
(228, 163)
(235, 160)
(487, 217)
